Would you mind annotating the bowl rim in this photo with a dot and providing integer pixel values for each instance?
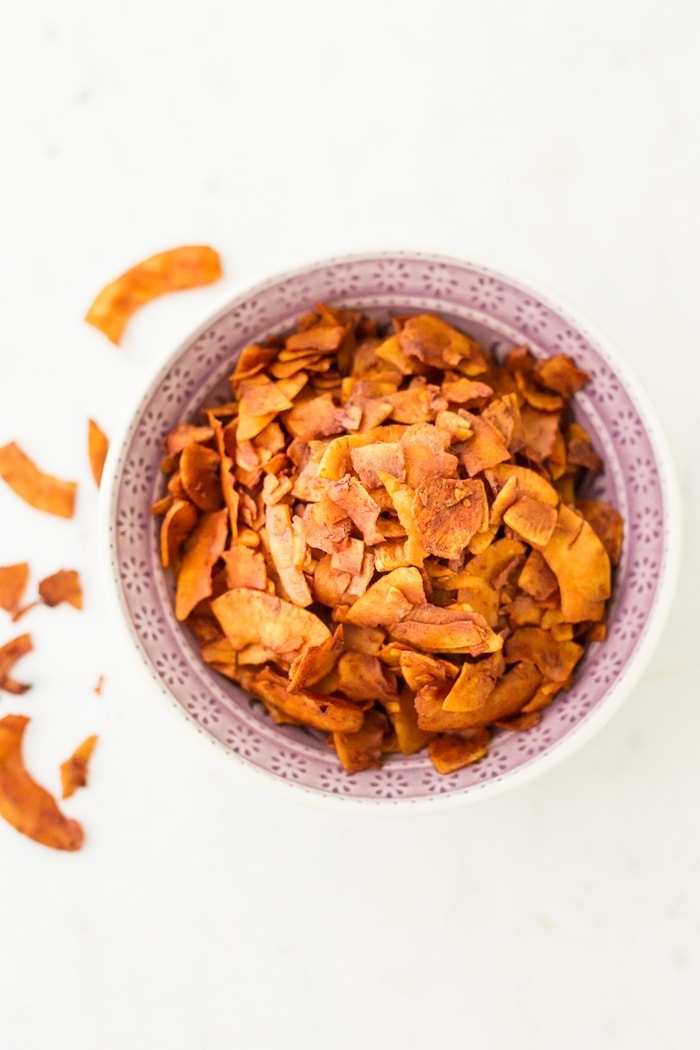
(580, 734)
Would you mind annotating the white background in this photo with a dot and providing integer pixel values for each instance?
(557, 138)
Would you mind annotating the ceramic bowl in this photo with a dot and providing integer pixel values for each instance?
(501, 312)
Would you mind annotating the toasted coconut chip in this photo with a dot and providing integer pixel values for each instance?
(541, 430)
(536, 396)
(365, 359)
(536, 578)
(392, 554)
(532, 520)
(225, 441)
(559, 373)
(179, 522)
(402, 497)
(425, 456)
(544, 696)
(10, 653)
(404, 719)
(385, 457)
(467, 392)
(508, 697)
(438, 344)
(98, 447)
(175, 487)
(391, 350)
(419, 403)
(203, 549)
(314, 417)
(475, 683)
(348, 494)
(321, 339)
(203, 625)
(448, 513)
(454, 426)
(390, 528)
(431, 717)
(362, 678)
(349, 558)
(509, 573)
(324, 526)
(503, 413)
(183, 435)
(74, 770)
(281, 542)
(222, 410)
(482, 540)
(275, 489)
(555, 659)
(363, 639)
(481, 597)
(248, 459)
(332, 713)
(300, 363)
(62, 586)
(231, 671)
(220, 651)
(581, 565)
(450, 753)
(317, 662)
(251, 617)
(580, 451)
(329, 585)
(373, 412)
(336, 457)
(171, 271)
(284, 391)
(308, 486)
(270, 441)
(162, 506)
(364, 748)
(252, 360)
(199, 474)
(607, 524)
(388, 600)
(391, 654)
(41, 491)
(245, 567)
(253, 655)
(26, 805)
(13, 583)
(524, 610)
(258, 395)
(597, 633)
(520, 359)
(499, 558)
(419, 669)
(556, 460)
(566, 488)
(484, 449)
(529, 483)
(451, 630)
(505, 498)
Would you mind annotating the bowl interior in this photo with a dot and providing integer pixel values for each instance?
(499, 312)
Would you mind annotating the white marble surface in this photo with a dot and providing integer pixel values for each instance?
(560, 139)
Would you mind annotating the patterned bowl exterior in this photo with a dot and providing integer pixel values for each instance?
(501, 312)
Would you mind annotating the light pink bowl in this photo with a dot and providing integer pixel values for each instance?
(639, 480)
